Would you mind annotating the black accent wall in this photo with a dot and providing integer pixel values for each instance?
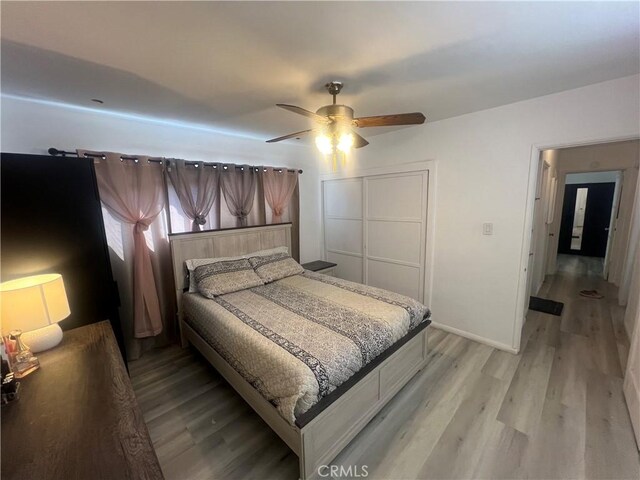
(51, 222)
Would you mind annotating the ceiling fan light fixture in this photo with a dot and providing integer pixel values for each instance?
(324, 144)
(334, 124)
(345, 142)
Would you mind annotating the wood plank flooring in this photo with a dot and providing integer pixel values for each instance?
(556, 410)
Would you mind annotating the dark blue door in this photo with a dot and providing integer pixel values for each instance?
(597, 216)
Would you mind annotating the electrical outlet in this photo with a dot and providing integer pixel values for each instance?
(487, 228)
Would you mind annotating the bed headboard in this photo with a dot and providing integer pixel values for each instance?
(222, 243)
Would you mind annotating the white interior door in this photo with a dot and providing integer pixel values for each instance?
(631, 384)
(540, 233)
(612, 223)
(395, 232)
(632, 321)
(343, 225)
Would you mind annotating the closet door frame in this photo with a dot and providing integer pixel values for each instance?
(428, 166)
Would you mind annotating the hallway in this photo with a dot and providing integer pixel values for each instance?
(599, 321)
(585, 379)
(556, 410)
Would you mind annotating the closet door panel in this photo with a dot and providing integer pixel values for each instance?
(375, 230)
(349, 267)
(395, 232)
(394, 277)
(396, 198)
(343, 198)
(394, 241)
(343, 235)
(343, 217)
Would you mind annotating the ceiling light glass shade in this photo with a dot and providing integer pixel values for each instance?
(345, 143)
(324, 144)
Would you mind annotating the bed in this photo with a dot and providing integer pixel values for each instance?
(316, 357)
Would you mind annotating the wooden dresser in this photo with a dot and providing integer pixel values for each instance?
(77, 416)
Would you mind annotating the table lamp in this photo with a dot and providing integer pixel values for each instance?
(35, 305)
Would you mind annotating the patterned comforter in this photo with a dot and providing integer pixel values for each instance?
(297, 339)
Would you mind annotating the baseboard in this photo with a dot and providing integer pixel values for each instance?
(475, 338)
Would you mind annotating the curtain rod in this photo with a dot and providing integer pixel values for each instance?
(55, 152)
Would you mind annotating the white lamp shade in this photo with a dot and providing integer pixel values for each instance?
(33, 302)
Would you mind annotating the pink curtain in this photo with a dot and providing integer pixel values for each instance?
(239, 188)
(196, 186)
(279, 186)
(133, 192)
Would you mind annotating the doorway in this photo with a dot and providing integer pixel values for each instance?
(586, 219)
(540, 250)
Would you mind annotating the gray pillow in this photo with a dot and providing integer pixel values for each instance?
(194, 263)
(228, 276)
(274, 267)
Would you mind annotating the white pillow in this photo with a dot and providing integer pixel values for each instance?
(194, 263)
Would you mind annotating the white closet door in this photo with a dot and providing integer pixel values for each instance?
(395, 232)
(343, 240)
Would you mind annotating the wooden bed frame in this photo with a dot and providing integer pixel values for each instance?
(322, 439)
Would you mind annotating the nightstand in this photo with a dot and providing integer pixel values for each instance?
(320, 266)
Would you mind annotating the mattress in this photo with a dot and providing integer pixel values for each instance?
(298, 339)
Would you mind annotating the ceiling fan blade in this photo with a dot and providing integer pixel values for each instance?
(358, 141)
(306, 113)
(291, 135)
(415, 118)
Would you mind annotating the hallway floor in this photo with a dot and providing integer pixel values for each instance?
(556, 410)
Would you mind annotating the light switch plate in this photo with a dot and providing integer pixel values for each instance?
(487, 228)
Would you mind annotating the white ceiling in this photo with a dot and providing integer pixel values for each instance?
(225, 65)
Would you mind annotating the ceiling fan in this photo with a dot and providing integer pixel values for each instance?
(336, 123)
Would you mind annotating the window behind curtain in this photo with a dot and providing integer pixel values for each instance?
(181, 223)
(219, 216)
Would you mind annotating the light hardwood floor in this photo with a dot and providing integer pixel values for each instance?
(556, 410)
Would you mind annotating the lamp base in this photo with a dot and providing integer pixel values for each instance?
(43, 338)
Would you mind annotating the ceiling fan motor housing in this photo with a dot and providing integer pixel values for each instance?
(337, 113)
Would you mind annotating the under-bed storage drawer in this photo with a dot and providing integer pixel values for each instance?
(364, 396)
(395, 372)
(344, 418)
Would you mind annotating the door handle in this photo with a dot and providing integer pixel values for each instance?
(606, 229)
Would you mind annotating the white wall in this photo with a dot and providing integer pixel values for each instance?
(33, 126)
(483, 162)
